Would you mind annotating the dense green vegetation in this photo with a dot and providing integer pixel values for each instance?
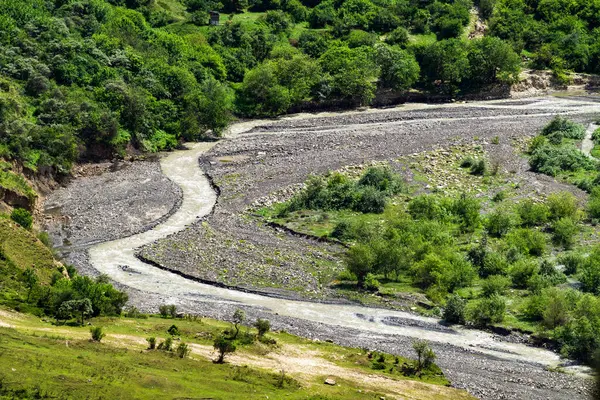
(32, 281)
(516, 263)
(94, 78)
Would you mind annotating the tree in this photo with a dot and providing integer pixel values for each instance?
(208, 108)
(224, 346)
(492, 60)
(261, 94)
(399, 68)
(182, 350)
(262, 326)
(31, 280)
(454, 312)
(360, 261)
(445, 64)
(69, 308)
(239, 316)
(425, 355)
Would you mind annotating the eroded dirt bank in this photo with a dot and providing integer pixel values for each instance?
(285, 153)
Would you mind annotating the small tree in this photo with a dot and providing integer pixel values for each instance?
(167, 345)
(173, 310)
(262, 326)
(425, 355)
(454, 312)
(31, 280)
(173, 330)
(182, 350)
(163, 310)
(223, 345)
(97, 333)
(151, 343)
(239, 316)
(69, 308)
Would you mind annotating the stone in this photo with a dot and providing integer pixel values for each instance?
(330, 381)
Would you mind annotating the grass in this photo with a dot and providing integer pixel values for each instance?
(39, 360)
(16, 183)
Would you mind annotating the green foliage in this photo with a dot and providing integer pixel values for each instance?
(263, 326)
(97, 333)
(564, 231)
(562, 205)
(22, 217)
(527, 241)
(593, 205)
(151, 343)
(495, 285)
(173, 330)
(224, 346)
(551, 160)
(425, 355)
(454, 312)
(399, 68)
(522, 271)
(486, 311)
(78, 308)
(532, 213)
(561, 128)
(466, 209)
(166, 345)
(261, 94)
(182, 350)
(572, 262)
(499, 222)
(590, 272)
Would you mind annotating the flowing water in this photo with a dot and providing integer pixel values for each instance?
(199, 198)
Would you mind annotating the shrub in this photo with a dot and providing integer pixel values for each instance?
(166, 345)
(486, 311)
(561, 127)
(173, 330)
(532, 214)
(454, 312)
(262, 326)
(564, 231)
(182, 350)
(467, 208)
(593, 205)
(552, 160)
(370, 200)
(224, 346)
(590, 272)
(495, 285)
(468, 162)
(22, 217)
(151, 343)
(562, 205)
(370, 283)
(521, 271)
(398, 36)
(493, 264)
(163, 310)
(425, 355)
(239, 316)
(572, 262)
(479, 167)
(97, 333)
(427, 207)
(527, 241)
(498, 223)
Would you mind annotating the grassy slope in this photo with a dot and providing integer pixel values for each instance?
(62, 362)
(20, 249)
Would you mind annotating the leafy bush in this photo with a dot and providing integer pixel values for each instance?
(97, 333)
(371, 283)
(151, 343)
(560, 128)
(427, 207)
(493, 263)
(467, 209)
(527, 241)
(486, 311)
(182, 350)
(589, 274)
(495, 285)
(173, 330)
(498, 223)
(22, 217)
(522, 271)
(562, 205)
(425, 355)
(564, 231)
(262, 326)
(572, 262)
(532, 214)
(593, 205)
(224, 346)
(166, 345)
(479, 167)
(551, 160)
(454, 312)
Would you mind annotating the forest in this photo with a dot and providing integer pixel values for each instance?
(94, 79)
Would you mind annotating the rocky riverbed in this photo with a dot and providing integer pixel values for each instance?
(282, 154)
